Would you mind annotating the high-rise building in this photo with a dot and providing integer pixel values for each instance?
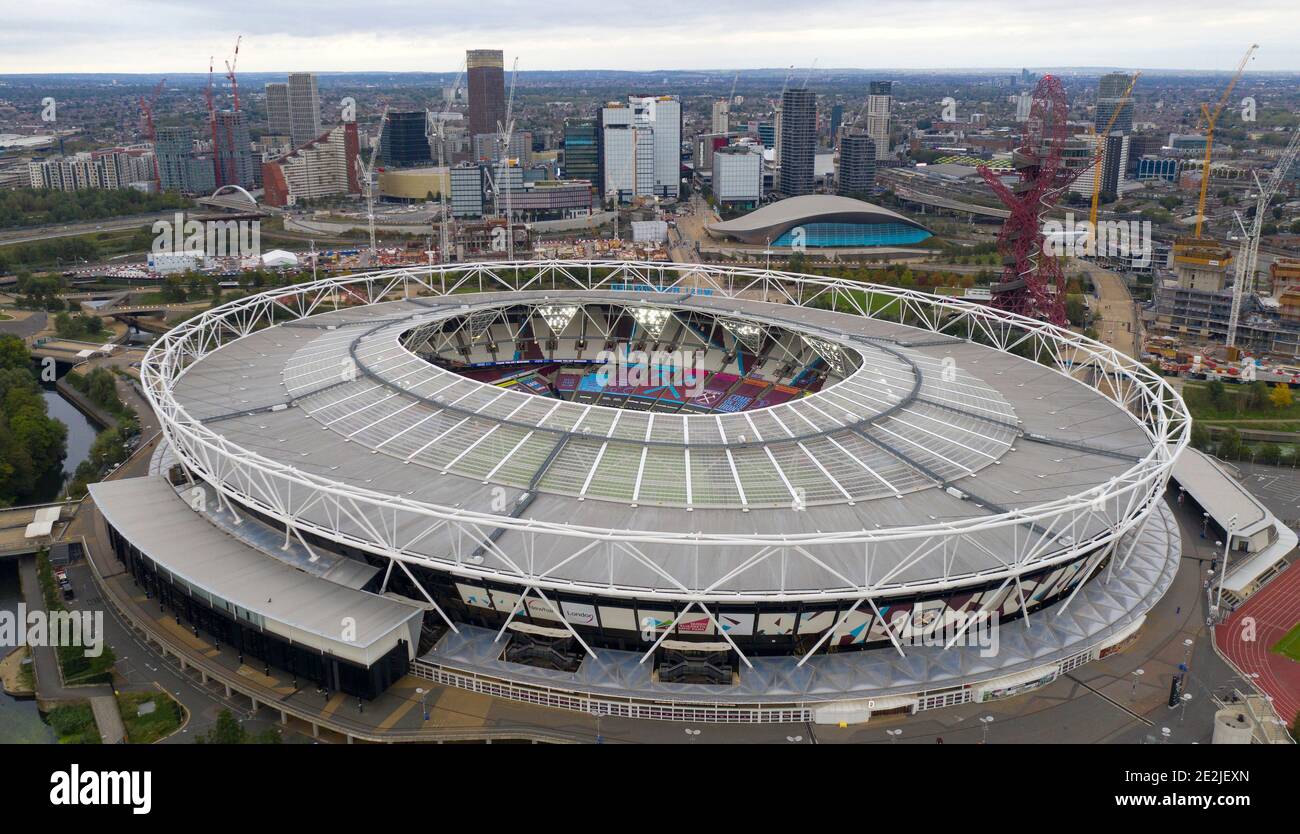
(767, 134)
(304, 108)
(798, 141)
(581, 161)
(857, 170)
(837, 119)
(880, 97)
(277, 109)
(738, 175)
(639, 148)
(405, 143)
(487, 90)
(324, 167)
(1110, 97)
(721, 116)
(659, 122)
(174, 147)
(467, 198)
(617, 137)
(487, 146)
(234, 152)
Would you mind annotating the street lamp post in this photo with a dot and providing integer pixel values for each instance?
(1223, 569)
(424, 701)
(893, 735)
(986, 720)
(1137, 676)
(692, 734)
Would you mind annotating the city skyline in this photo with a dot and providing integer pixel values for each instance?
(343, 38)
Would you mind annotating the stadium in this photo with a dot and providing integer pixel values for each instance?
(652, 490)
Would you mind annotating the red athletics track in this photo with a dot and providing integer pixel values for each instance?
(1276, 610)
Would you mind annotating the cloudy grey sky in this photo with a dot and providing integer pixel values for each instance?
(431, 35)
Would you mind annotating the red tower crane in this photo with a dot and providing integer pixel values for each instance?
(1032, 281)
(230, 73)
(150, 133)
(217, 173)
(231, 176)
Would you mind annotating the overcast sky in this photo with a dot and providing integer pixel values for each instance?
(430, 35)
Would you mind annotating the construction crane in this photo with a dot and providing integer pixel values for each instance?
(1248, 254)
(1211, 119)
(505, 132)
(1099, 158)
(435, 129)
(233, 176)
(230, 72)
(366, 173)
(150, 133)
(212, 125)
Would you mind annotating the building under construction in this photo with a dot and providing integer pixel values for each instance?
(1193, 301)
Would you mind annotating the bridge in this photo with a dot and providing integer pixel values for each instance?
(32, 528)
(912, 195)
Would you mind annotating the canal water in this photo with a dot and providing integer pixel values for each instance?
(20, 721)
(81, 431)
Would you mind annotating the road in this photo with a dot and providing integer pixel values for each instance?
(1118, 326)
(109, 224)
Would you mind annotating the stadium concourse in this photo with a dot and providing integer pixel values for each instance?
(850, 500)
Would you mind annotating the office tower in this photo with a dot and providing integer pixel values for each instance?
(304, 108)
(837, 118)
(467, 190)
(277, 109)
(580, 150)
(487, 90)
(798, 141)
(617, 137)
(233, 152)
(1110, 97)
(174, 148)
(405, 143)
(767, 134)
(738, 175)
(721, 115)
(659, 123)
(857, 171)
(487, 147)
(879, 102)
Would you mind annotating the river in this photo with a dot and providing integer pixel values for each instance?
(20, 721)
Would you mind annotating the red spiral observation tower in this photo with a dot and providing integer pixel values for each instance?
(1032, 282)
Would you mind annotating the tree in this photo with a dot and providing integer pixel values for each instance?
(1281, 396)
(226, 731)
(1269, 453)
(1257, 396)
(1218, 394)
(1200, 436)
(1230, 445)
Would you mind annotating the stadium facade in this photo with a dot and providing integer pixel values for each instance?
(477, 475)
(819, 221)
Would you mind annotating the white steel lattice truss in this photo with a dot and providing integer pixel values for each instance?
(1046, 534)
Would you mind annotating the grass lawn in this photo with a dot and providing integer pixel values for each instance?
(1197, 396)
(74, 723)
(166, 718)
(1289, 645)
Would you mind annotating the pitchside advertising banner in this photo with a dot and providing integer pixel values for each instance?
(295, 783)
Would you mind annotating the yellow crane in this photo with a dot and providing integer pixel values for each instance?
(1211, 119)
(1101, 153)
